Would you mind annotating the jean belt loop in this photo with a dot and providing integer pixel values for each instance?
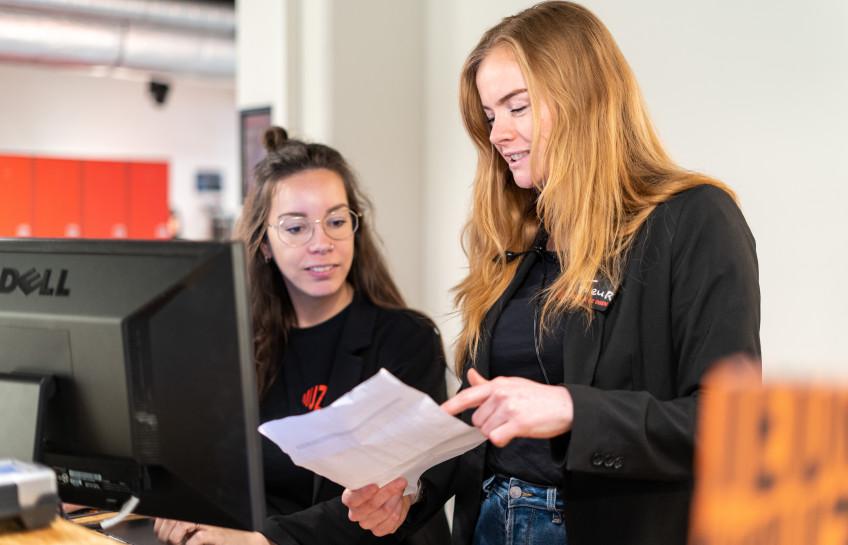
(552, 498)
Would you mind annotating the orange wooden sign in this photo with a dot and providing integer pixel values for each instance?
(771, 463)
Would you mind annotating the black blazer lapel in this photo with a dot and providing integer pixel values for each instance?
(581, 347)
(347, 370)
(581, 344)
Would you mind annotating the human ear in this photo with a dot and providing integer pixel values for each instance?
(266, 252)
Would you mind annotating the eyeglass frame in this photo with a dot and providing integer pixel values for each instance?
(311, 223)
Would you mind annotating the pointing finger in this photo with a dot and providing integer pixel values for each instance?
(475, 378)
(467, 399)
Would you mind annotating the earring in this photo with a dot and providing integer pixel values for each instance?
(267, 259)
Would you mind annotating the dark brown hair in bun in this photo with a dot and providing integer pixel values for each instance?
(274, 138)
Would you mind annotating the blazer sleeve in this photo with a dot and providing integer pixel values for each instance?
(327, 519)
(409, 346)
(714, 312)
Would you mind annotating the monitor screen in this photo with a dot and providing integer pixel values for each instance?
(149, 347)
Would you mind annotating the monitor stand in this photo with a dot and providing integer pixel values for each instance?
(27, 491)
(23, 398)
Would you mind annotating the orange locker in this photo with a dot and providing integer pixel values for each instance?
(58, 198)
(104, 199)
(148, 200)
(15, 196)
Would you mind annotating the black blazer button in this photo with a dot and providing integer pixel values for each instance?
(618, 463)
(597, 459)
(609, 461)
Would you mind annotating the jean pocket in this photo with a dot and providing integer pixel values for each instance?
(488, 485)
(556, 517)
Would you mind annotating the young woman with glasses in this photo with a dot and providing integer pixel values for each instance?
(604, 280)
(326, 316)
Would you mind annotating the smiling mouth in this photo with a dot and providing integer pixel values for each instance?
(515, 157)
(320, 268)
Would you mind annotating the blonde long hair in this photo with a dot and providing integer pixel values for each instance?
(271, 308)
(606, 168)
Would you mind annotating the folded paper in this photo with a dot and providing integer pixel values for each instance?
(380, 430)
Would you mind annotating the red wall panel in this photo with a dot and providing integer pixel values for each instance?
(148, 198)
(46, 197)
(16, 196)
(104, 199)
(58, 192)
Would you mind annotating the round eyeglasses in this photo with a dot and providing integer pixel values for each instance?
(297, 231)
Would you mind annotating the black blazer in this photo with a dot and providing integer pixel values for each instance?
(408, 345)
(689, 296)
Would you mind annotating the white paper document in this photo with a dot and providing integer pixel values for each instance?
(380, 430)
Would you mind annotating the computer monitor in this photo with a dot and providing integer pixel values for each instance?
(154, 391)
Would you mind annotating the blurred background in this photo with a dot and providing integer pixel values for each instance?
(140, 118)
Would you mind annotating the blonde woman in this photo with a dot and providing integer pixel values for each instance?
(604, 280)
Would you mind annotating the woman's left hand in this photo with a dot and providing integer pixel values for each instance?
(510, 407)
(379, 509)
(186, 533)
(213, 535)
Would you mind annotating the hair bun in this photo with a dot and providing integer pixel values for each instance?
(274, 138)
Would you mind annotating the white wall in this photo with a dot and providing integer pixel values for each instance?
(70, 113)
(751, 92)
(354, 80)
(377, 117)
(263, 57)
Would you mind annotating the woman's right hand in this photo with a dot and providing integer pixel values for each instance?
(174, 532)
(69, 508)
(379, 509)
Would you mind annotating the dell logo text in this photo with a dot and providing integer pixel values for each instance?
(31, 280)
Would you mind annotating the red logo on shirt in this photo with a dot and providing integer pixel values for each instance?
(313, 397)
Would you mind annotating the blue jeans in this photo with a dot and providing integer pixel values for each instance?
(514, 512)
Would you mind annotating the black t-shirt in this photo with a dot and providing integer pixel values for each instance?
(514, 354)
(301, 386)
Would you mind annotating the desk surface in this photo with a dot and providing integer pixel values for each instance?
(63, 532)
(59, 532)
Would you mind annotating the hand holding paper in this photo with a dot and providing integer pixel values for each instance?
(379, 509)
